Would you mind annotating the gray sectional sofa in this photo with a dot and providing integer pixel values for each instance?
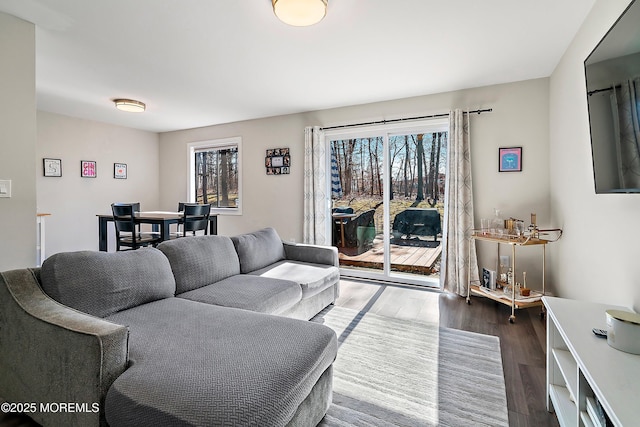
(201, 331)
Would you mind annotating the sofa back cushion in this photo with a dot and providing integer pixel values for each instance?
(200, 260)
(258, 249)
(101, 283)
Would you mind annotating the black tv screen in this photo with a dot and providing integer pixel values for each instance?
(612, 72)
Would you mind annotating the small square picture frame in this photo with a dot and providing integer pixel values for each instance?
(52, 167)
(88, 169)
(120, 170)
(510, 159)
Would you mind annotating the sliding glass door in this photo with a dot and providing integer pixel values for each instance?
(387, 201)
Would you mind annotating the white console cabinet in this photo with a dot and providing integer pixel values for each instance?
(586, 378)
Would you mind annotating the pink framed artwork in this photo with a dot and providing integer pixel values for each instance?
(88, 169)
(510, 159)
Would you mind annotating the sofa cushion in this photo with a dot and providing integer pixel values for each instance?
(258, 249)
(200, 260)
(215, 366)
(101, 283)
(312, 278)
(254, 293)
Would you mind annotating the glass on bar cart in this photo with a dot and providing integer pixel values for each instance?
(497, 225)
(485, 226)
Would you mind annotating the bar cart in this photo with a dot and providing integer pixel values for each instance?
(512, 299)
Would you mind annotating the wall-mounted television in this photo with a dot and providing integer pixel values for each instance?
(612, 73)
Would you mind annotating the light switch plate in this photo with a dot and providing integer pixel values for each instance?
(5, 188)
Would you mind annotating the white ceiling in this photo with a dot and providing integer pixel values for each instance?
(204, 62)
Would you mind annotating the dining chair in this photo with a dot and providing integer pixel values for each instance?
(136, 208)
(180, 209)
(127, 231)
(154, 228)
(195, 217)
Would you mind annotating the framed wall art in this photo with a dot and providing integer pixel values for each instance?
(52, 167)
(88, 169)
(277, 161)
(510, 159)
(120, 170)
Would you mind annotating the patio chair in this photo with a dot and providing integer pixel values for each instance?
(338, 223)
(360, 231)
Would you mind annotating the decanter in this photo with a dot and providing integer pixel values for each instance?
(497, 225)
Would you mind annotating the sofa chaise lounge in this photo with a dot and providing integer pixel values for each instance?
(200, 331)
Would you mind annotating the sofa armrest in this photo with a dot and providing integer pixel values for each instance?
(51, 353)
(315, 254)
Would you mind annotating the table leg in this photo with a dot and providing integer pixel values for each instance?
(164, 230)
(102, 234)
(213, 225)
(41, 240)
(512, 318)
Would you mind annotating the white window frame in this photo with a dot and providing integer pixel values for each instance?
(192, 147)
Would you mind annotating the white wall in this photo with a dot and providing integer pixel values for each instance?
(73, 201)
(17, 142)
(597, 258)
(519, 118)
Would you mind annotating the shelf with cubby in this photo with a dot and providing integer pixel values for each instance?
(589, 383)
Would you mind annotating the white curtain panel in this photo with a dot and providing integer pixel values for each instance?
(626, 122)
(459, 260)
(315, 188)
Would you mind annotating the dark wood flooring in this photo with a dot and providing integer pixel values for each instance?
(523, 343)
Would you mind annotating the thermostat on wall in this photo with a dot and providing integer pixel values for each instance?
(5, 188)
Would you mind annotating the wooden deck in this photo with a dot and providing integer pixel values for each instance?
(405, 258)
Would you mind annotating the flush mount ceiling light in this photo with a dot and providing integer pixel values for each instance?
(300, 13)
(129, 105)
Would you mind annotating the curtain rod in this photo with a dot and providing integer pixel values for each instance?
(606, 89)
(383, 122)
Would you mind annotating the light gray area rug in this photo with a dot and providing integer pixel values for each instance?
(392, 372)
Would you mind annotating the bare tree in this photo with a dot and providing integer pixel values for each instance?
(432, 173)
(436, 172)
(378, 176)
(407, 165)
(361, 187)
(394, 182)
(224, 178)
(420, 161)
(203, 175)
(348, 165)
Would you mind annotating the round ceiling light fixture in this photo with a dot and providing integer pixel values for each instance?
(300, 13)
(129, 105)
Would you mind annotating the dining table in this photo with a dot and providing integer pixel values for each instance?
(159, 220)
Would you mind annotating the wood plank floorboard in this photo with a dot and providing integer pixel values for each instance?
(523, 344)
